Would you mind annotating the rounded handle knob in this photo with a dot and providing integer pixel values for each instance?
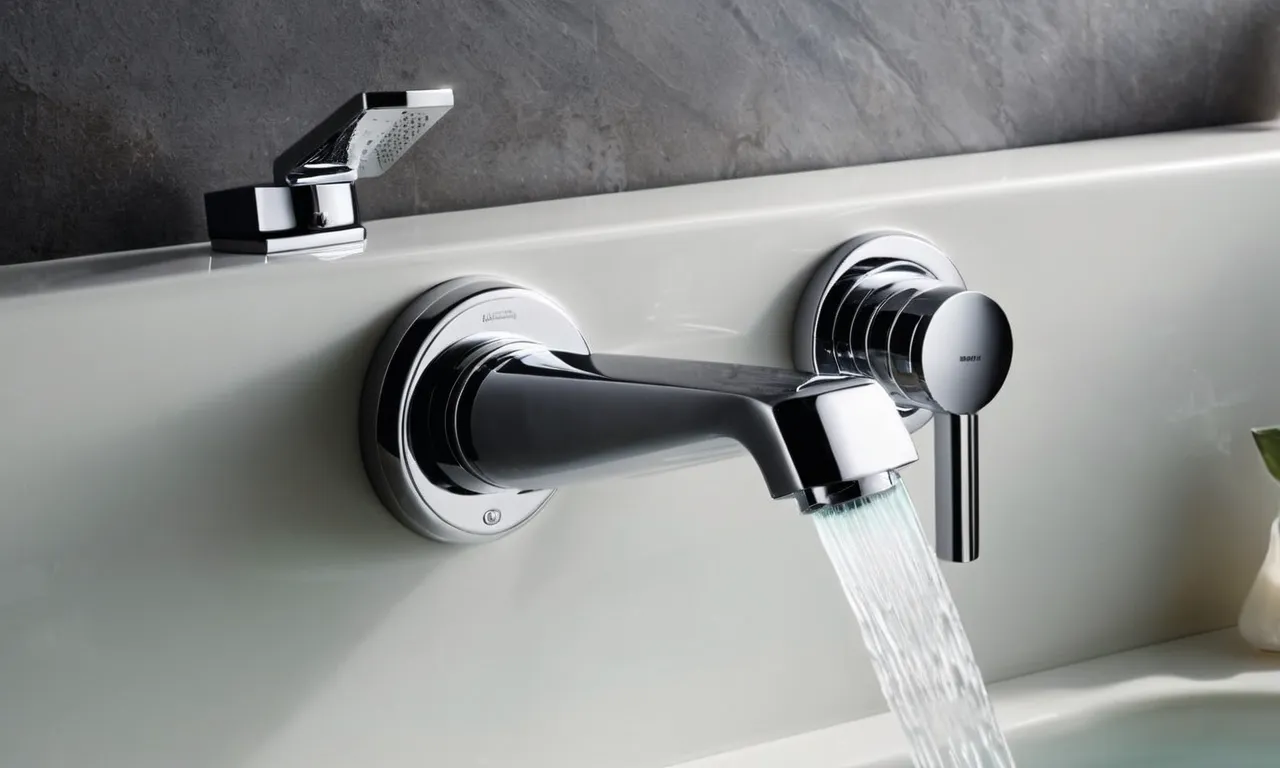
(943, 348)
(892, 307)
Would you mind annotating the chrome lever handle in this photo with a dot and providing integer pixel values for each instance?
(893, 308)
(955, 451)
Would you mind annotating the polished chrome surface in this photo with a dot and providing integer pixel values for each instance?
(956, 484)
(312, 203)
(483, 397)
(871, 261)
(812, 499)
(362, 138)
(410, 485)
(528, 417)
(893, 308)
(944, 348)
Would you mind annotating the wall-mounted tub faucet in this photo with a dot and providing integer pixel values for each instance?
(312, 205)
(893, 308)
(483, 398)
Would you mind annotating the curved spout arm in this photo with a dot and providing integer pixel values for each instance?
(524, 417)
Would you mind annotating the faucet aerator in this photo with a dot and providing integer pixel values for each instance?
(813, 499)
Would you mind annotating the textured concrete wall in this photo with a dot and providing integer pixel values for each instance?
(116, 116)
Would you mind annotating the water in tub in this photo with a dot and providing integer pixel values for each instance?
(1223, 731)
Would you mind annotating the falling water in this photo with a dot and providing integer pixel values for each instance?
(913, 632)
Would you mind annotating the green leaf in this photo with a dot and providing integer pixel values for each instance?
(1268, 440)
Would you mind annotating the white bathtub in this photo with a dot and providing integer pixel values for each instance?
(1206, 701)
(195, 572)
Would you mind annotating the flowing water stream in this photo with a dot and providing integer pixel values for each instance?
(913, 632)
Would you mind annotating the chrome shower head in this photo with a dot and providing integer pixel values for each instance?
(362, 138)
(312, 204)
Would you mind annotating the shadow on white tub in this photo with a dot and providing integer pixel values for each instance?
(1203, 702)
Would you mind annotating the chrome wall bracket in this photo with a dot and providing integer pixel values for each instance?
(311, 204)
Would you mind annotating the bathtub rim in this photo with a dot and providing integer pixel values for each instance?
(1211, 664)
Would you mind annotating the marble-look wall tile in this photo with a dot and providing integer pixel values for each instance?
(116, 117)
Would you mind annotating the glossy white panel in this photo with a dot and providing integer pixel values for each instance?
(193, 569)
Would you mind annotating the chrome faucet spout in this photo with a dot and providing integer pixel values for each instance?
(526, 417)
(484, 398)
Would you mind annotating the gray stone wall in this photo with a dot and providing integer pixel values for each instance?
(116, 116)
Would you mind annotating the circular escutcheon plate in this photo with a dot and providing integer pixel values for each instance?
(852, 256)
(439, 318)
